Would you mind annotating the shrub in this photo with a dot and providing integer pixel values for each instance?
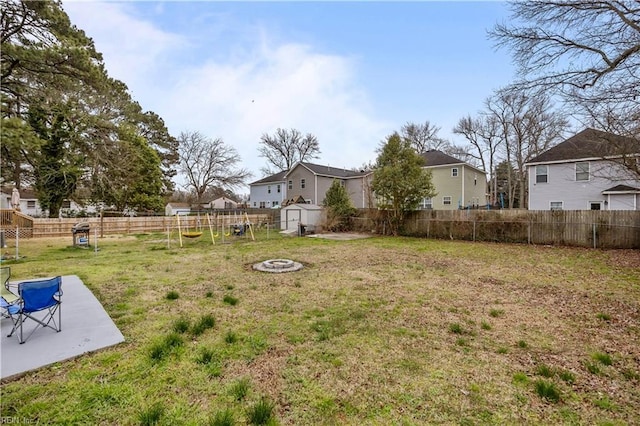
(547, 390)
(260, 413)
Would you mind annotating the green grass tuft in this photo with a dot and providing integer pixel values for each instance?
(485, 325)
(206, 322)
(522, 344)
(240, 389)
(456, 328)
(604, 317)
(544, 370)
(205, 356)
(181, 325)
(223, 418)
(261, 413)
(231, 337)
(151, 416)
(568, 377)
(230, 300)
(495, 313)
(520, 378)
(161, 349)
(602, 358)
(172, 295)
(547, 390)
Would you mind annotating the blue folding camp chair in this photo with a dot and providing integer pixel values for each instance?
(39, 301)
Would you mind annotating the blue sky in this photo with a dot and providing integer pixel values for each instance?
(348, 72)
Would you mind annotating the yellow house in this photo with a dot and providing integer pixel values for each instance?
(457, 184)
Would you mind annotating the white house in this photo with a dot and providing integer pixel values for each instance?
(592, 170)
(30, 205)
(222, 203)
(268, 192)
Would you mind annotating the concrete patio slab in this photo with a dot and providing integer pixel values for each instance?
(86, 327)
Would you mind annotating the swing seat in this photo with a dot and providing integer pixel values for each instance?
(193, 234)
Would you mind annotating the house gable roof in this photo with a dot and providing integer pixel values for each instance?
(589, 143)
(329, 171)
(435, 158)
(622, 189)
(278, 177)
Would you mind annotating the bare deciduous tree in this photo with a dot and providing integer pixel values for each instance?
(528, 126)
(586, 51)
(285, 148)
(208, 162)
(423, 137)
(483, 135)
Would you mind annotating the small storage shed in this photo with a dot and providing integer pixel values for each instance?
(173, 209)
(309, 215)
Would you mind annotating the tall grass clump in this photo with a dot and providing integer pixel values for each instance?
(152, 415)
(602, 358)
(162, 348)
(261, 413)
(206, 322)
(172, 295)
(547, 390)
(230, 300)
(181, 325)
(223, 418)
(240, 389)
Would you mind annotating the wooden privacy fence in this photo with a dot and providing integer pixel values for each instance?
(583, 228)
(133, 225)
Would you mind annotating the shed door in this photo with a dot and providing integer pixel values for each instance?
(293, 219)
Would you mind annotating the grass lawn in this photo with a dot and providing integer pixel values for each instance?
(373, 331)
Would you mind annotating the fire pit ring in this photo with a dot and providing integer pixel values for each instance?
(278, 266)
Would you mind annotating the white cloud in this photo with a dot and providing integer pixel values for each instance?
(254, 91)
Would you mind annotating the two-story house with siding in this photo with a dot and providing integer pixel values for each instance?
(309, 182)
(312, 181)
(457, 184)
(592, 170)
(268, 192)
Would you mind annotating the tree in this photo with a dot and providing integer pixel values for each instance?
(286, 148)
(528, 126)
(208, 162)
(483, 135)
(423, 137)
(586, 51)
(340, 209)
(399, 181)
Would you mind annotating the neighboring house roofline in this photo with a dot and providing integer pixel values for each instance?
(328, 171)
(435, 158)
(577, 160)
(589, 144)
(275, 178)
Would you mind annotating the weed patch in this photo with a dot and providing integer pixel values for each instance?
(547, 390)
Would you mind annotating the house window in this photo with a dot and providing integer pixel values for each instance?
(595, 205)
(269, 189)
(454, 172)
(427, 203)
(278, 188)
(262, 204)
(275, 204)
(31, 204)
(446, 200)
(255, 204)
(556, 205)
(582, 171)
(542, 174)
(290, 184)
(303, 183)
(66, 204)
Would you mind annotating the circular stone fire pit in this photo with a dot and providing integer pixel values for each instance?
(278, 266)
